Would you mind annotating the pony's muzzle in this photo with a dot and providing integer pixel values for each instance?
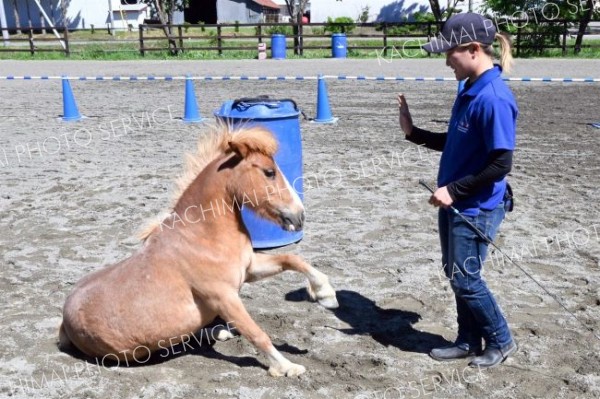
(292, 221)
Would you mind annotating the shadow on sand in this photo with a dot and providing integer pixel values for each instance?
(389, 327)
(200, 344)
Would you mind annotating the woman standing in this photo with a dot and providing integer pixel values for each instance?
(477, 156)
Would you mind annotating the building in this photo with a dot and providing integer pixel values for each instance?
(79, 14)
(228, 11)
(123, 14)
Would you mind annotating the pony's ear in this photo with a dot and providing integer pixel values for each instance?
(239, 148)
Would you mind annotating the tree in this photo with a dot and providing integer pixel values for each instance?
(441, 14)
(17, 18)
(436, 10)
(296, 9)
(363, 17)
(586, 15)
(537, 13)
(164, 10)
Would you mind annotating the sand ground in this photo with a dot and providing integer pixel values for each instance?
(72, 196)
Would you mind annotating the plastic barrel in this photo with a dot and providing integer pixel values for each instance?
(277, 46)
(282, 118)
(338, 45)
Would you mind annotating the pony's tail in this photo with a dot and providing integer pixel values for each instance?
(506, 58)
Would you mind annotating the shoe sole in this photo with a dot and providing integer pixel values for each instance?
(444, 359)
(504, 357)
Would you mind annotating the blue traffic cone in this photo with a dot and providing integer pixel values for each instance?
(323, 109)
(191, 113)
(70, 111)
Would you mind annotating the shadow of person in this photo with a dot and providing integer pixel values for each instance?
(389, 327)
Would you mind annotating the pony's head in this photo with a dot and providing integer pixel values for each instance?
(257, 182)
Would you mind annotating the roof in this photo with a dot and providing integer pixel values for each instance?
(267, 3)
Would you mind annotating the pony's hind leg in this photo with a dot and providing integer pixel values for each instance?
(319, 289)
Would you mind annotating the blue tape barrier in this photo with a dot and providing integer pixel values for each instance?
(337, 77)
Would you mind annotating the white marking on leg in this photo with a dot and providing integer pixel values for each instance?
(280, 366)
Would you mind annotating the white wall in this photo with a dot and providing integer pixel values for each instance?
(80, 13)
(83, 13)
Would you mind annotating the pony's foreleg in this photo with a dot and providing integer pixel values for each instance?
(319, 289)
(232, 309)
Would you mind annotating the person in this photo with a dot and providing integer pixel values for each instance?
(477, 153)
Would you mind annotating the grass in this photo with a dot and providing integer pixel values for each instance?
(100, 45)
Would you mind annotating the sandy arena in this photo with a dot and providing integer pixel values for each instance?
(73, 195)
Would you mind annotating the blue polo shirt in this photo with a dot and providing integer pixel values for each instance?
(483, 119)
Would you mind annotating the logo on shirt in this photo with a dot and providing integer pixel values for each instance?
(463, 126)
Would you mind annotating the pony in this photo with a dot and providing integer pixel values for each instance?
(193, 261)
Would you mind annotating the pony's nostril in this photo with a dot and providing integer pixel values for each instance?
(292, 221)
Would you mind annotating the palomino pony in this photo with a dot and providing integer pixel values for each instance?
(193, 262)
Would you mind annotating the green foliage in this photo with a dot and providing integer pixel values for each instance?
(537, 10)
(202, 27)
(423, 17)
(281, 30)
(213, 40)
(364, 15)
(533, 20)
(317, 30)
(334, 25)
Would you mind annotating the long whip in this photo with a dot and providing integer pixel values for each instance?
(486, 239)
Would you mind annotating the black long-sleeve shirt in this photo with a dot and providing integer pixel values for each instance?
(498, 165)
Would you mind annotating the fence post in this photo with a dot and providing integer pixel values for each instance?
(385, 39)
(141, 29)
(66, 38)
(300, 33)
(259, 33)
(219, 40)
(31, 46)
(518, 41)
(564, 38)
(429, 35)
(180, 33)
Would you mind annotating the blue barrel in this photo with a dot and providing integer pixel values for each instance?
(277, 46)
(338, 45)
(282, 118)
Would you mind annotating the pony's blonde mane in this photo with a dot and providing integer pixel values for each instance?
(211, 145)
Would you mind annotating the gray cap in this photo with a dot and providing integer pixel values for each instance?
(461, 29)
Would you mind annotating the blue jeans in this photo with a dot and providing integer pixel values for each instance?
(463, 255)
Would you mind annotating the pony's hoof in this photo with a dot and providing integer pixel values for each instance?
(292, 370)
(329, 302)
(224, 335)
(325, 295)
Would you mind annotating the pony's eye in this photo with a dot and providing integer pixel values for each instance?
(270, 173)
